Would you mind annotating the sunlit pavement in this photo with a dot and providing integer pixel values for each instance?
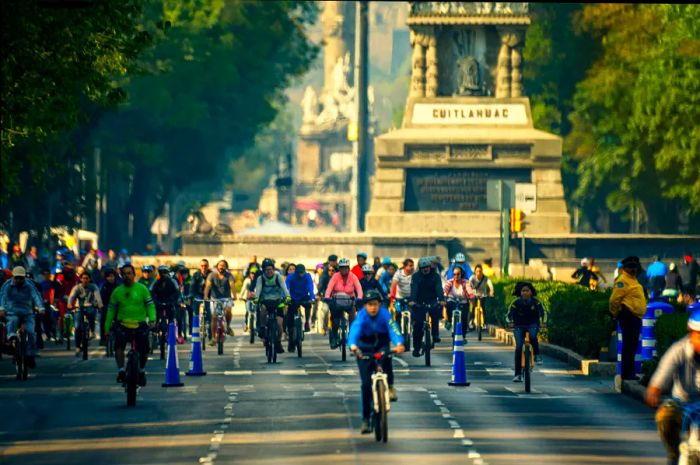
(306, 411)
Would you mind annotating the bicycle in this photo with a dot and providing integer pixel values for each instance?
(341, 304)
(20, 343)
(271, 330)
(181, 318)
(689, 449)
(67, 329)
(296, 330)
(163, 316)
(527, 359)
(251, 319)
(427, 344)
(478, 317)
(132, 369)
(459, 314)
(204, 321)
(381, 403)
(405, 322)
(84, 340)
(220, 331)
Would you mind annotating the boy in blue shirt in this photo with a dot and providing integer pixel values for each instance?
(301, 290)
(373, 330)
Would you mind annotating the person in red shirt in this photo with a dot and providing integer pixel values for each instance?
(357, 269)
(67, 280)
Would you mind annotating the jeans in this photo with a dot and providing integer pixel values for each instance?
(366, 369)
(631, 326)
(519, 333)
(418, 316)
(13, 323)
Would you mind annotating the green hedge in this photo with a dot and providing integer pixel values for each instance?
(577, 318)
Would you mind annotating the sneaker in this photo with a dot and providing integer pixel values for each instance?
(230, 332)
(245, 328)
(142, 378)
(518, 379)
(290, 347)
(365, 429)
(416, 353)
(307, 328)
(180, 340)
(393, 396)
(279, 348)
(538, 360)
(121, 377)
(212, 342)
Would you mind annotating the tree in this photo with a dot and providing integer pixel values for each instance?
(635, 125)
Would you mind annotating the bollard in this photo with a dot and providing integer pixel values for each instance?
(459, 371)
(654, 310)
(196, 365)
(172, 367)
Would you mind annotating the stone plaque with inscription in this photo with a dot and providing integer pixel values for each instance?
(454, 189)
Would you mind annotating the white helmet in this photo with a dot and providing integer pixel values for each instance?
(460, 258)
(585, 261)
(343, 262)
(367, 268)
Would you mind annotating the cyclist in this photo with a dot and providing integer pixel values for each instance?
(106, 290)
(197, 285)
(270, 285)
(147, 278)
(49, 288)
(459, 260)
(130, 309)
(301, 289)
(343, 283)
(525, 314)
(369, 282)
(679, 372)
(458, 291)
(321, 302)
(220, 284)
(383, 268)
(67, 279)
(385, 282)
(584, 275)
(18, 299)
(357, 269)
(89, 301)
(373, 331)
(184, 280)
(401, 287)
(426, 291)
(247, 289)
(483, 287)
(165, 292)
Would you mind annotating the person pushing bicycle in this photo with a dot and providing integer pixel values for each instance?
(372, 331)
(131, 312)
(525, 314)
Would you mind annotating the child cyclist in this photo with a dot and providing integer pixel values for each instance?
(525, 314)
(373, 331)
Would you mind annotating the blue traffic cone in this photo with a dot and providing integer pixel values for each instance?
(196, 366)
(459, 371)
(172, 367)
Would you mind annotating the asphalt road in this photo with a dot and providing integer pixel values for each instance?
(306, 411)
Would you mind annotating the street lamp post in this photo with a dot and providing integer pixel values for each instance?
(360, 181)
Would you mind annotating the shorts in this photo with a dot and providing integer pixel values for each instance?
(123, 337)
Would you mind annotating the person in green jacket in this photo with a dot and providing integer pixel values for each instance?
(131, 313)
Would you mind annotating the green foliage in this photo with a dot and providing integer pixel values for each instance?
(635, 126)
(59, 65)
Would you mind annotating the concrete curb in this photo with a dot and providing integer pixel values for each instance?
(633, 389)
(587, 367)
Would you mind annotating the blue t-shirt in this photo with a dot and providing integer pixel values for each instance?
(367, 332)
(301, 288)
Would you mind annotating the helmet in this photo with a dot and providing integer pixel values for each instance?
(424, 262)
(386, 261)
(124, 252)
(300, 269)
(362, 254)
(319, 266)
(107, 271)
(181, 264)
(267, 262)
(366, 268)
(163, 269)
(460, 258)
(694, 321)
(344, 262)
(372, 295)
(147, 268)
(585, 261)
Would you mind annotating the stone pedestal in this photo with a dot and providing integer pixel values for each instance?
(433, 174)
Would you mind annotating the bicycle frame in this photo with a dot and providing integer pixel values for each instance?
(380, 377)
(689, 448)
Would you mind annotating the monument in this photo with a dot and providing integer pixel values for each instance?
(467, 126)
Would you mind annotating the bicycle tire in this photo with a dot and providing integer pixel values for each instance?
(270, 349)
(275, 342)
(20, 361)
(406, 334)
(343, 349)
(299, 337)
(220, 342)
(85, 340)
(131, 379)
(526, 369)
(381, 432)
(67, 323)
(478, 332)
(428, 343)
(251, 328)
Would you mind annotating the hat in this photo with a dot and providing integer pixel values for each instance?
(386, 261)
(332, 258)
(362, 254)
(18, 272)
(631, 261)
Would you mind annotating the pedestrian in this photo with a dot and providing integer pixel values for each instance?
(628, 305)
(673, 283)
(111, 261)
(595, 269)
(17, 258)
(689, 271)
(487, 267)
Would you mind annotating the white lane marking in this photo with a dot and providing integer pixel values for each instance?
(458, 434)
(340, 372)
(438, 402)
(453, 424)
(293, 372)
(521, 390)
(584, 390)
(401, 362)
(499, 371)
(473, 454)
(238, 373)
(495, 364)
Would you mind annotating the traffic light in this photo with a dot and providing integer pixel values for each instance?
(516, 220)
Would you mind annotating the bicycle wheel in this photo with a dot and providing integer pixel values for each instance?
(381, 430)
(132, 374)
(407, 334)
(428, 341)
(19, 359)
(299, 336)
(251, 327)
(527, 366)
(270, 350)
(67, 323)
(220, 340)
(343, 348)
(85, 341)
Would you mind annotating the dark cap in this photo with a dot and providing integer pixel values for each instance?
(332, 258)
(519, 287)
(630, 262)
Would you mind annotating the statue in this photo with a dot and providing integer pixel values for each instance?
(340, 72)
(309, 106)
(199, 224)
(469, 76)
(330, 111)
